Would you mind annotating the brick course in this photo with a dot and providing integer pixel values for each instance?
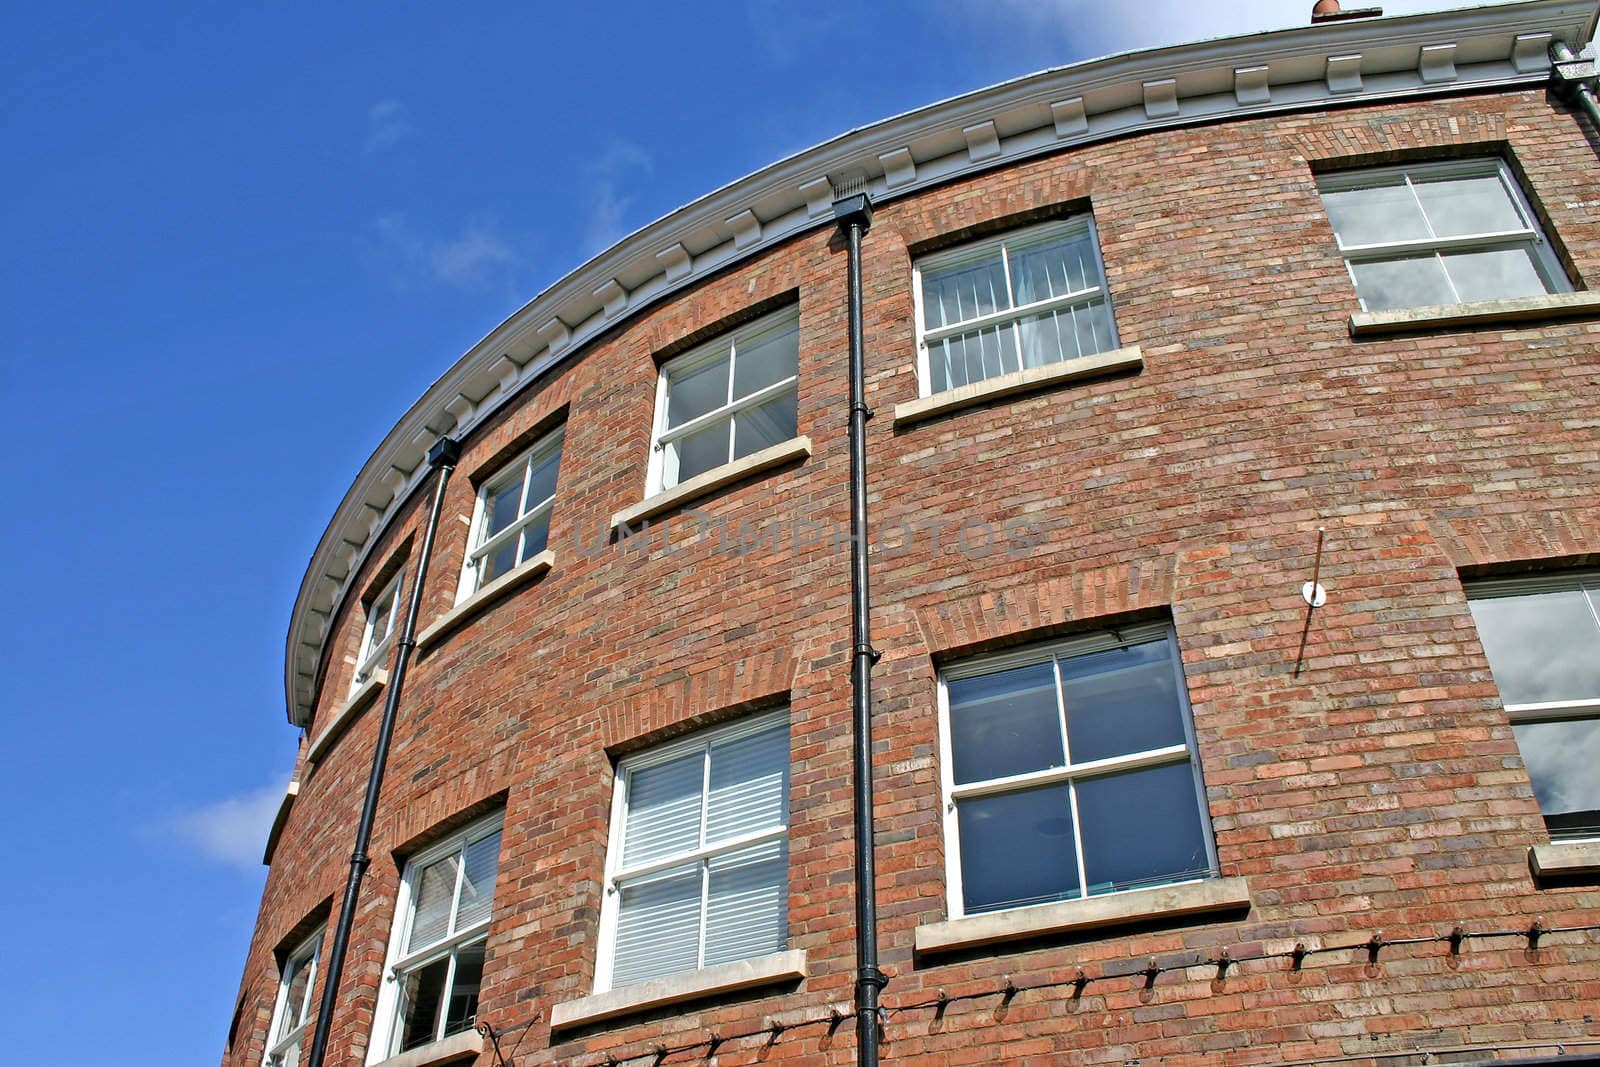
(1377, 788)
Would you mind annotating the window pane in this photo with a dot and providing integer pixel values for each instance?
(1458, 207)
(972, 357)
(697, 453)
(461, 1010)
(958, 293)
(382, 619)
(1066, 333)
(663, 810)
(542, 480)
(1499, 274)
(772, 423)
(482, 859)
(1054, 267)
(422, 992)
(535, 538)
(749, 785)
(294, 999)
(1005, 723)
(498, 562)
(1542, 648)
(1375, 215)
(434, 892)
(658, 927)
(767, 358)
(1120, 701)
(1563, 760)
(1017, 849)
(1141, 828)
(697, 390)
(1402, 283)
(747, 903)
(502, 508)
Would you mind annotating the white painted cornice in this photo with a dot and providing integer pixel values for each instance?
(1306, 67)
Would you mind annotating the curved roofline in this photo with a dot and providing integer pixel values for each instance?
(1082, 103)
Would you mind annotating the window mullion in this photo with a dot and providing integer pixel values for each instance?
(455, 898)
(444, 997)
(1077, 839)
(1000, 318)
(1011, 299)
(705, 906)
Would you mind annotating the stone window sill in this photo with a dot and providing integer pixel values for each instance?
(1115, 909)
(496, 590)
(779, 967)
(1565, 859)
(358, 702)
(1023, 381)
(1480, 313)
(701, 484)
(279, 820)
(450, 1049)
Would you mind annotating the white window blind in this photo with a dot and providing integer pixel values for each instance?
(1025, 299)
(700, 854)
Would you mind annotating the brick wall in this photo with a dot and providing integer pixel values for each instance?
(1376, 788)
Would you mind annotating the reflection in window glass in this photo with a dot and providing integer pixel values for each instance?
(1438, 234)
(1542, 639)
(728, 399)
(1071, 773)
(1026, 299)
(436, 974)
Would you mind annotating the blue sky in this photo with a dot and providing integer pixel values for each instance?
(238, 243)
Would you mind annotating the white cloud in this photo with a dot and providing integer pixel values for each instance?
(607, 196)
(386, 125)
(233, 830)
(1087, 28)
(474, 256)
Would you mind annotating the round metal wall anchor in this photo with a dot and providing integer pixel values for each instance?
(1313, 593)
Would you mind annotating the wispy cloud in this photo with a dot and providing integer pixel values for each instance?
(608, 197)
(476, 255)
(387, 125)
(231, 831)
(1081, 29)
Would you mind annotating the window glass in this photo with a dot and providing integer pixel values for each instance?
(699, 867)
(743, 389)
(1005, 723)
(513, 523)
(1072, 775)
(293, 1012)
(1018, 849)
(1438, 234)
(1542, 638)
(433, 978)
(1034, 297)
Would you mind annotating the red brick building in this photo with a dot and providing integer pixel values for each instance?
(1151, 341)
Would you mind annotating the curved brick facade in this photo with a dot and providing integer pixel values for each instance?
(1377, 788)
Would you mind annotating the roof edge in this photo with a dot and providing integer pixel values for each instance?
(1061, 108)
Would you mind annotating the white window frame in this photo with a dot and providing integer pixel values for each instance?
(480, 547)
(1552, 711)
(375, 647)
(1530, 235)
(1053, 652)
(308, 952)
(615, 874)
(723, 347)
(386, 1030)
(975, 251)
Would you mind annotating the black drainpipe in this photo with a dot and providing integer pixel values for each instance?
(1575, 79)
(854, 215)
(442, 457)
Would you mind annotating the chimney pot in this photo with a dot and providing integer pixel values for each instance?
(1324, 8)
